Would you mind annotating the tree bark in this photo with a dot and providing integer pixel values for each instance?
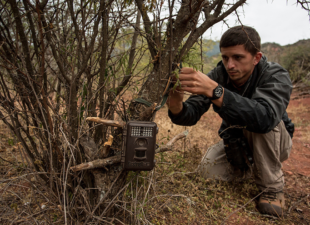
(100, 130)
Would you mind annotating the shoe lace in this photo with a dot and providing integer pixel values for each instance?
(269, 196)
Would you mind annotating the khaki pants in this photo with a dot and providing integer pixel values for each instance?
(269, 151)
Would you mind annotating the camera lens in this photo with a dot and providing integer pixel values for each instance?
(141, 142)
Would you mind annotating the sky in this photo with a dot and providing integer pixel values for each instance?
(279, 21)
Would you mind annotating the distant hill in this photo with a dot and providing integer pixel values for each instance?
(271, 49)
(293, 57)
(215, 50)
(275, 52)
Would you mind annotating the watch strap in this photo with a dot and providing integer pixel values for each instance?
(214, 97)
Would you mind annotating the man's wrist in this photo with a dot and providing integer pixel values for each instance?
(209, 92)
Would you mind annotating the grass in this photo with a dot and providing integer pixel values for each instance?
(173, 193)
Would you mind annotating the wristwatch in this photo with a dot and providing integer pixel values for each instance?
(217, 92)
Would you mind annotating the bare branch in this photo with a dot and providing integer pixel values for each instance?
(101, 163)
(112, 123)
(169, 145)
(147, 27)
(213, 19)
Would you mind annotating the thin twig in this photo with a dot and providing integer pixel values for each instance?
(224, 221)
(295, 204)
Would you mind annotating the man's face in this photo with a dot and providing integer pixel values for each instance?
(239, 63)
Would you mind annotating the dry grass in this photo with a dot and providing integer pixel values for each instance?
(170, 194)
(203, 134)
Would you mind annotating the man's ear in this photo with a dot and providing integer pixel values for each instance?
(257, 58)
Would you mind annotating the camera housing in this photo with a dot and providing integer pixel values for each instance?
(139, 143)
(237, 151)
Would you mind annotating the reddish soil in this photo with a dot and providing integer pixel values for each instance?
(204, 133)
(299, 112)
(296, 168)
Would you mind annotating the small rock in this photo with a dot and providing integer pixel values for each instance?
(289, 172)
(299, 210)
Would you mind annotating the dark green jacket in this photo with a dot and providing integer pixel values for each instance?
(260, 105)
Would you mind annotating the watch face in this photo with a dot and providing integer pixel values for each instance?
(218, 92)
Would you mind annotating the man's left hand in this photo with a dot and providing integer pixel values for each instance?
(196, 82)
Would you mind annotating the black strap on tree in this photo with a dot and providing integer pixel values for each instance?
(169, 85)
(148, 104)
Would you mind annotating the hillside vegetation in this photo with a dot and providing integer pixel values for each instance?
(295, 57)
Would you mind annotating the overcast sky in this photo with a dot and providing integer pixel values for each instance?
(279, 21)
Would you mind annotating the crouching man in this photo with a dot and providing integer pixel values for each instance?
(251, 96)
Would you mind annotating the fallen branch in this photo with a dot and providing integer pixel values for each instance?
(101, 163)
(294, 205)
(168, 146)
(112, 123)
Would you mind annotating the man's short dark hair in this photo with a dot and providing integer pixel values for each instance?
(241, 35)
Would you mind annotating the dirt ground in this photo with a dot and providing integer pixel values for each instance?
(182, 198)
(296, 168)
(204, 133)
(299, 112)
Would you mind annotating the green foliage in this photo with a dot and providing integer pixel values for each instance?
(297, 62)
(11, 142)
(55, 218)
(294, 58)
(197, 56)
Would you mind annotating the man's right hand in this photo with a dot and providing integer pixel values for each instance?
(175, 101)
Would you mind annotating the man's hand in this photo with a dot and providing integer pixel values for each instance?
(196, 82)
(193, 82)
(175, 101)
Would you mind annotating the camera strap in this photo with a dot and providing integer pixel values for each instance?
(169, 85)
(148, 104)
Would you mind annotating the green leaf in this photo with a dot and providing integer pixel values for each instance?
(84, 90)
(11, 142)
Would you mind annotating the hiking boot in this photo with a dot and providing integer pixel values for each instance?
(271, 203)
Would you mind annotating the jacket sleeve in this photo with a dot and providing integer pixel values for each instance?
(193, 108)
(265, 109)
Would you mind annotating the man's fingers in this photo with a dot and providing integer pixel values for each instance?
(191, 90)
(186, 70)
(189, 84)
(184, 77)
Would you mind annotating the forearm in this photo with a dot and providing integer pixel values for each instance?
(175, 109)
(192, 109)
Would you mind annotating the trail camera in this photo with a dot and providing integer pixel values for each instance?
(139, 143)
